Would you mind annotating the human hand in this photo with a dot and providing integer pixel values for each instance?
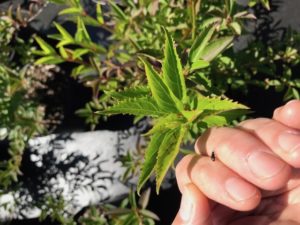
(255, 179)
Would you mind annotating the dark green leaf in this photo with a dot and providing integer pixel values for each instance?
(150, 159)
(172, 69)
(136, 92)
(159, 90)
(167, 153)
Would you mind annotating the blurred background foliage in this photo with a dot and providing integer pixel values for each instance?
(129, 29)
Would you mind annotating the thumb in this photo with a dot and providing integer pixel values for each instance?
(194, 208)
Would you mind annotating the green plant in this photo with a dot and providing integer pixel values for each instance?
(195, 72)
(129, 212)
(176, 109)
(20, 116)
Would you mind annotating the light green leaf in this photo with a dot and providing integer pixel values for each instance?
(99, 14)
(63, 53)
(218, 104)
(171, 121)
(159, 90)
(201, 42)
(215, 48)
(214, 121)
(80, 52)
(150, 159)
(224, 117)
(145, 106)
(167, 153)
(47, 49)
(49, 60)
(172, 69)
(136, 92)
(199, 64)
(266, 4)
(81, 34)
(71, 10)
(66, 35)
(236, 27)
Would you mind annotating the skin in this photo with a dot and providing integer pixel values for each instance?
(255, 179)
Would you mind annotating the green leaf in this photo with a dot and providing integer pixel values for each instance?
(66, 35)
(171, 121)
(47, 49)
(63, 53)
(215, 48)
(118, 12)
(159, 90)
(80, 52)
(236, 27)
(223, 118)
(49, 60)
(136, 92)
(218, 104)
(71, 10)
(99, 14)
(172, 69)
(199, 64)
(81, 34)
(150, 159)
(266, 4)
(145, 106)
(167, 153)
(201, 42)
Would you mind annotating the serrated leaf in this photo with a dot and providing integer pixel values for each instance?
(159, 90)
(201, 42)
(170, 121)
(150, 159)
(218, 104)
(199, 64)
(136, 92)
(172, 69)
(167, 153)
(215, 48)
(145, 106)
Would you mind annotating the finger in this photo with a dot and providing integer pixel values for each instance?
(281, 139)
(194, 208)
(289, 114)
(217, 182)
(246, 155)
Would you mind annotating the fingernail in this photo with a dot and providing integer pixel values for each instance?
(289, 141)
(239, 190)
(264, 164)
(187, 205)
